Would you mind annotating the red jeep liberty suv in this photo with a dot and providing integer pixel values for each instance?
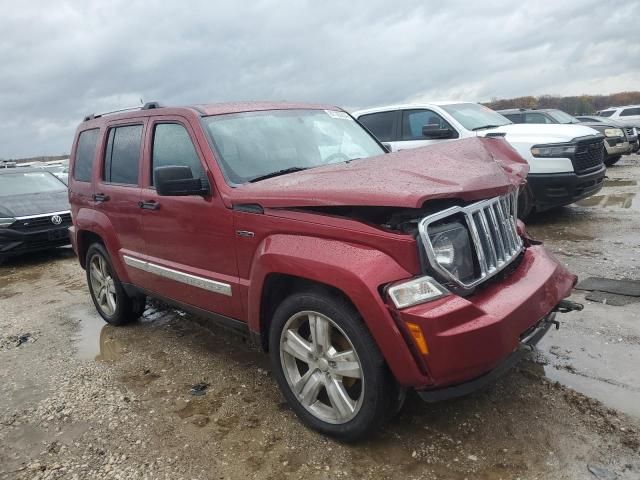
(362, 273)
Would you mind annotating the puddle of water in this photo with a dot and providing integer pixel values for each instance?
(616, 200)
(619, 182)
(93, 341)
(614, 396)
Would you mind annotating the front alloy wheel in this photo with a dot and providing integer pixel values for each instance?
(321, 367)
(328, 366)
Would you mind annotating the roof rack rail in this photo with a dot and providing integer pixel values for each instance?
(146, 106)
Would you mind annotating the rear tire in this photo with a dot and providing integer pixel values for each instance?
(329, 368)
(608, 161)
(108, 294)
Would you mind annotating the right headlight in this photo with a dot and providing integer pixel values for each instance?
(6, 221)
(553, 151)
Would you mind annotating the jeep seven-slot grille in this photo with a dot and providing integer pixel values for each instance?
(589, 155)
(493, 233)
(41, 222)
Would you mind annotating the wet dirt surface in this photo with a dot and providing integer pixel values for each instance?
(81, 399)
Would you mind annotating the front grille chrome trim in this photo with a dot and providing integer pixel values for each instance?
(492, 230)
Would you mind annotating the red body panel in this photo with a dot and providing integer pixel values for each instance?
(198, 236)
(469, 169)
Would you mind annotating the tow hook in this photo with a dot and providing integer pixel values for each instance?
(566, 306)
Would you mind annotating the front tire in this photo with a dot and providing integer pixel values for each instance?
(328, 366)
(108, 294)
(608, 161)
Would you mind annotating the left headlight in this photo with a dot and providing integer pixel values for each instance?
(452, 249)
(553, 151)
(412, 292)
(6, 222)
(613, 132)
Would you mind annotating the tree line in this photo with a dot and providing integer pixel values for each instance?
(577, 105)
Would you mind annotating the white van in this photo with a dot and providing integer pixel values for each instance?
(565, 161)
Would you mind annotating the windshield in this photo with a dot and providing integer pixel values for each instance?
(255, 144)
(22, 183)
(474, 117)
(562, 117)
(607, 113)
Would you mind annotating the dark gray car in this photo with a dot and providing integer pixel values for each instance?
(34, 211)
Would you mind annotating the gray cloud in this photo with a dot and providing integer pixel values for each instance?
(62, 60)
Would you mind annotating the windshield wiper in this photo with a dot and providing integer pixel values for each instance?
(277, 173)
(488, 126)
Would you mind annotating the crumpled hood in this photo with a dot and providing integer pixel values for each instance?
(469, 169)
(34, 204)
(539, 133)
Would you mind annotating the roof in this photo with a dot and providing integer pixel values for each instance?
(154, 108)
(238, 107)
(405, 106)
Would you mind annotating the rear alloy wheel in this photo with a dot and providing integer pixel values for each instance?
(328, 366)
(108, 294)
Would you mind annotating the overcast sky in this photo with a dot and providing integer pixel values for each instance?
(61, 60)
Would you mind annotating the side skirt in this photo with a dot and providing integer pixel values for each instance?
(221, 320)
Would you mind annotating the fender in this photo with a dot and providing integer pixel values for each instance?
(89, 220)
(356, 270)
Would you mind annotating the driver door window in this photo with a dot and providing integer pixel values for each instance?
(414, 120)
(172, 145)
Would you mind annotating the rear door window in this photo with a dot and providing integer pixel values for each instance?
(628, 112)
(536, 118)
(122, 156)
(172, 145)
(381, 125)
(85, 154)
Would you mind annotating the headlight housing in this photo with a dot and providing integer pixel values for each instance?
(418, 290)
(452, 249)
(6, 221)
(553, 151)
(613, 132)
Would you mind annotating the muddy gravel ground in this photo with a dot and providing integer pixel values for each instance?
(81, 399)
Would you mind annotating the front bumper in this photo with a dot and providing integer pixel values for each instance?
(462, 389)
(616, 146)
(468, 337)
(14, 242)
(557, 189)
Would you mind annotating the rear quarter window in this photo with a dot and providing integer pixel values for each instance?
(628, 112)
(85, 154)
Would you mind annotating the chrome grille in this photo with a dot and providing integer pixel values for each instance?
(494, 237)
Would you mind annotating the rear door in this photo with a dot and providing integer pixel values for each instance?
(383, 125)
(117, 191)
(189, 240)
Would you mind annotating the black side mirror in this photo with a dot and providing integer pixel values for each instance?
(177, 181)
(387, 147)
(433, 131)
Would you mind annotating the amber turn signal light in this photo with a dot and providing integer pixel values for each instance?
(418, 337)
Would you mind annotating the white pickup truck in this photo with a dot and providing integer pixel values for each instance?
(565, 161)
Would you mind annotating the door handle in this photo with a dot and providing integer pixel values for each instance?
(149, 205)
(100, 197)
